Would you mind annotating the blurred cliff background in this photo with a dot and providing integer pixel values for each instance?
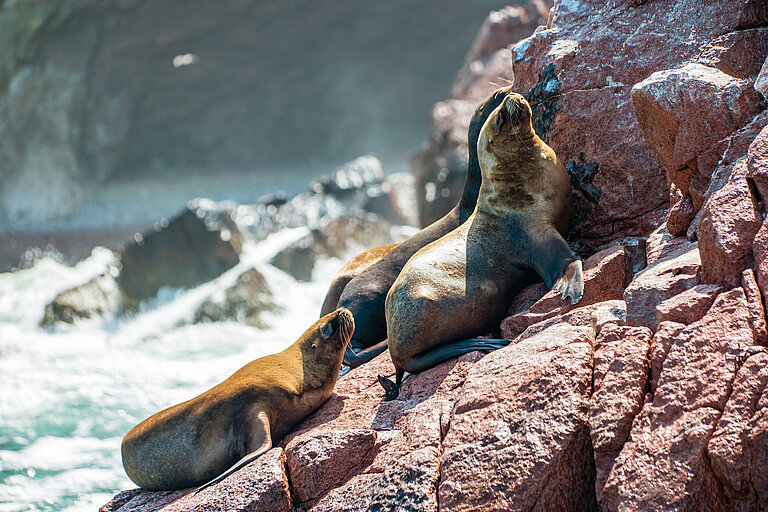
(113, 114)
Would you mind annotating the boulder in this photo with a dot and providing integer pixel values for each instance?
(761, 83)
(663, 339)
(261, 486)
(675, 271)
(729, 222)
(681, 215)
(333, 239)
(595, 316)
(244, 301)
(738, 445)
(193, 247)
(716, 166)
(757, 164)
(621, 372)
(760, 254)
(664, 463)
(519, 437)
(688, 306)
(98, 297)
(757, 316)
(684, 111)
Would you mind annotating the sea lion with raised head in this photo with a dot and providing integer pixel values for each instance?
(364, 294)
(235, 422)
(460, 286)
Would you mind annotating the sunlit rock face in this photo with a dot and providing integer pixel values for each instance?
(91, 91)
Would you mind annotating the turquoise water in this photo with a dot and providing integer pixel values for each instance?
(68, 394)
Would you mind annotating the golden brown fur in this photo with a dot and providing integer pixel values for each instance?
(241, 418)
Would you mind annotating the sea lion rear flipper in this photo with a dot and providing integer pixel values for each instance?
(262, 441)
(354, 359)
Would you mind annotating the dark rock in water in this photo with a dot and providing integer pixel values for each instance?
(356, 187)
(196, 246)
(243, 302)
(99, 296)
(298, 259)
(333, 239)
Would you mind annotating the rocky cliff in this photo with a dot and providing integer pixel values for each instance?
(94, 91)
(652, 392)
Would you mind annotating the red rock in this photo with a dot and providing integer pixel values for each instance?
(684, 111)
(680, 216)
(621, 374)
(595, 316)
(757, 162)
(262, 485)
(730, 446)
(760, 254)
(761, 83)
(689, 306)
(320, 461)
(716, 166)
(663, 465)
(663, 339)
(502, 27)
(756, 308)
(673, 273)
(606, 273)
(739, 53)
(360, 451)
(519, 439)
(729, 222)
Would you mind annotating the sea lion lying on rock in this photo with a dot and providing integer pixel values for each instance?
(240, 419)
(364, 294)
(460, 285)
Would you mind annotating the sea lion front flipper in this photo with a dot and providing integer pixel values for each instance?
(261, 443)
(557, 264)
(354, 359)
(572, 283)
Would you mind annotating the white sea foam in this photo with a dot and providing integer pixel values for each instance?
(69, 393)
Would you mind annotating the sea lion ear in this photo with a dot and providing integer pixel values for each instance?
(498, 121)
(326, 330)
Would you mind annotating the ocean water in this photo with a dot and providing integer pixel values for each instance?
(69, 393)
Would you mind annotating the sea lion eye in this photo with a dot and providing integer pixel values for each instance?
(326, 330)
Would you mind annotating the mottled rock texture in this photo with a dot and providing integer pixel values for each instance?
(652, 392)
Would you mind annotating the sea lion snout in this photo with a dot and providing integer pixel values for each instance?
(518, 108)
(340, 322)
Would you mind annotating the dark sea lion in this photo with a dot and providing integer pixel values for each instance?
(351, 269)
(461, 285)
(235, 422)
(364, 295)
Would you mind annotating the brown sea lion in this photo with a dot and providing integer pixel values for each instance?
(364, 295)
(235, 422)
(460, 285)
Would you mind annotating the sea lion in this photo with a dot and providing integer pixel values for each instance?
(364, 295)
(460, 285)
(351, 269)
(241, 418)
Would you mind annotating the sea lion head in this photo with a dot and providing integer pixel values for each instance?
(324, 343)
(510, 121)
